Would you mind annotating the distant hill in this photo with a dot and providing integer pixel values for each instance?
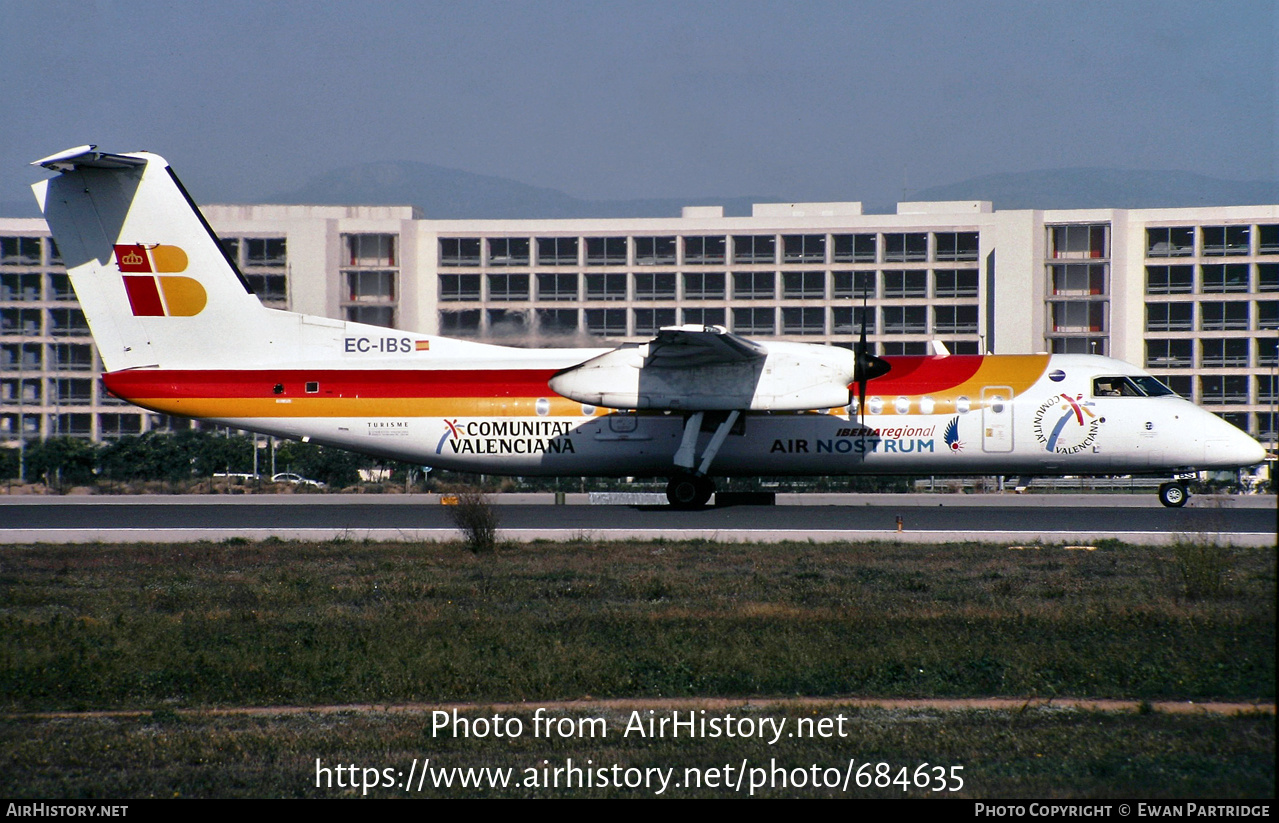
(449, 194)
(1087, 188)
(446, 194)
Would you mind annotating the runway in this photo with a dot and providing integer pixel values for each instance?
(924, 518)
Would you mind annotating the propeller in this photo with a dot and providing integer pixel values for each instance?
(868, 366)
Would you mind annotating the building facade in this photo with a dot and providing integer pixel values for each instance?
(1190, 294)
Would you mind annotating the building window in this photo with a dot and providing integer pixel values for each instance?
(20, 392)
(1077, 316)
(1170, 279)
(370, 286)
(651, 321)
(1268, 277)
(1223, 388)
(460, 323)
(1268, 239)
(557, 251)
(955, 283)
(1079, 279)
(612, 286)
(118, 425)
(1078, 345)
(704, 317)
(803, 248)
(20, 251)
(556, 321)
(1226, 241)
(804, 285)
(1268, 314)
(20, 357)
(707, 285)
(71, 357)
(606, 251)
(1266, 429)
(269, 288)
(71, 425)
(848, 320)
(67, 323)
(904, 248)
(1170, 242)
(372, 315)
(904, 348)
(1169, 354)
(1170, 317)
(1267, 388)
(459, 251)
(1223, 353)
(754, 285)
(753, 320)
(508, 251)
(20, 322)
(1220, 279)
(507, 322)
(854, 284)
(59, 287)
(654, 251)
(956, 245)
(606, 322)
(20, 287)
(455, 287)
(655, 286)
(955, 319)
(1223, 316)
(67, 391)
(508, 286)
(905, 284)
(557, 287)
(268, 251)
(1267, 351)
(853, 248)
(803, 320)
(1078, 242)
(905, 319)
(754, 248)
(704, 251)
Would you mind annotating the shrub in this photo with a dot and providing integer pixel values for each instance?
(475, 516)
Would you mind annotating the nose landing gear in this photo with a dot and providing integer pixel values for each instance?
(1173, 495)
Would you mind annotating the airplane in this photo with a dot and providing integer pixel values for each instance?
(180, 332)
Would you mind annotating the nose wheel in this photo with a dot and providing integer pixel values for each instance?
(1173, 495)
(688, 491)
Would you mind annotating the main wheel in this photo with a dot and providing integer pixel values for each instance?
(689, 492)
(1173, 495)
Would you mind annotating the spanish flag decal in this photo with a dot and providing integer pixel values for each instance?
(153, 290)
(422, 345)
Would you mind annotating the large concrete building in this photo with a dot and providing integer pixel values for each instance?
(1192, 294)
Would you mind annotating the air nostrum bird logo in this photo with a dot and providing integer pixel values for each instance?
(153, 289)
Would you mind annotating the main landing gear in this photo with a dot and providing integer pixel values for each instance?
(690, 488)
(686, 491)
(1174, 495)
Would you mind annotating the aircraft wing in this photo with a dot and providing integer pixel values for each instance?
(707, 368)
(690, 346)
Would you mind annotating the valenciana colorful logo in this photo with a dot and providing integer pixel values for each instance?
(151, 281)
(1059, 436)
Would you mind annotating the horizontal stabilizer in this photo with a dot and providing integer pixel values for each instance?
(87, 157)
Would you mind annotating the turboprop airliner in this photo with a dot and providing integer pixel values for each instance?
(180, 332)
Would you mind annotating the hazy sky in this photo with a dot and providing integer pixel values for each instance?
(603, 100)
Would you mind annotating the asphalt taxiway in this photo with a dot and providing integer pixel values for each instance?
(916, 518)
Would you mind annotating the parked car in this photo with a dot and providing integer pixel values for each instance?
(295, 479)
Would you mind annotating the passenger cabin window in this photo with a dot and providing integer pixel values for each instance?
(1125, 386)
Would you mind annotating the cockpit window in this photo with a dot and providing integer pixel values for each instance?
(1125, 386)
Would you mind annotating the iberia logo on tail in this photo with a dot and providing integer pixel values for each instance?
(153, 289)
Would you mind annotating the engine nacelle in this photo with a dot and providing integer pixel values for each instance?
(776, 377)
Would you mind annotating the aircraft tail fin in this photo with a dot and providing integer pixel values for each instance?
(151, 276)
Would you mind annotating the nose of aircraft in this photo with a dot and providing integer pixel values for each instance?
(1226, 447)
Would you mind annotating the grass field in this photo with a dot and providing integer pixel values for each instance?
(161, 628)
